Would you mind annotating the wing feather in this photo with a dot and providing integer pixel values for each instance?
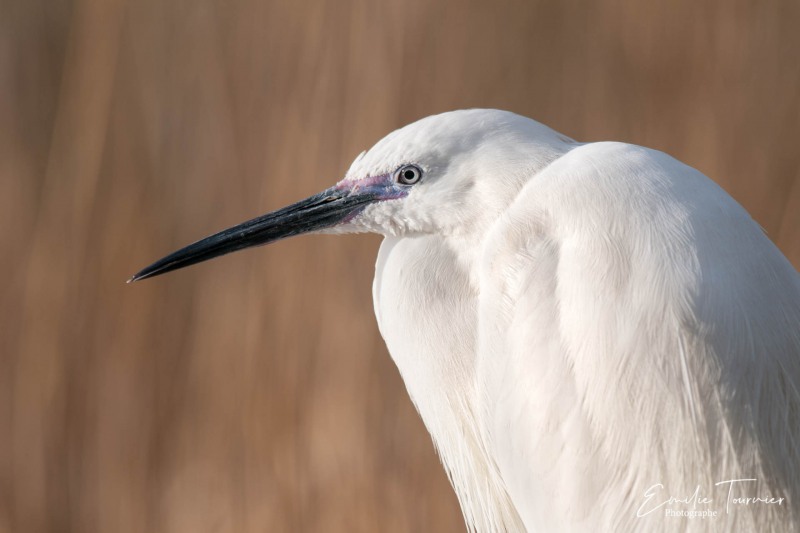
(637, 328)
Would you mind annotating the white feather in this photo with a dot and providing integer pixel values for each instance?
(577, 323)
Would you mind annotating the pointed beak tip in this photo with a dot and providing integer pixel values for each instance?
(136, 277)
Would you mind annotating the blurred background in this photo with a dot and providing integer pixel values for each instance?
(254, 393)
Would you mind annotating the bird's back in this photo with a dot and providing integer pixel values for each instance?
(639, 340)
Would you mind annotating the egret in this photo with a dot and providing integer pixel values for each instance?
(596, 335)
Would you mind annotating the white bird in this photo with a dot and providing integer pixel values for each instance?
(597, 336)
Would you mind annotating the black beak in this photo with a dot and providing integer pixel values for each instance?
(318, 212)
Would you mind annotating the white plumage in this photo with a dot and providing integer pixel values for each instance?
(578, 322)
(587, 330)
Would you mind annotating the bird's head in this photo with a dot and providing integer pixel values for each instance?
(446, 174)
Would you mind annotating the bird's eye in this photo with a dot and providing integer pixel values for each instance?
(408, 174)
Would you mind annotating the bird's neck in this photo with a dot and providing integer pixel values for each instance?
(435, 353)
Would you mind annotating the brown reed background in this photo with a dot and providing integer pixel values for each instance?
(254, 393)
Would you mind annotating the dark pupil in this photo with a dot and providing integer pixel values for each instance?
(409, 175)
